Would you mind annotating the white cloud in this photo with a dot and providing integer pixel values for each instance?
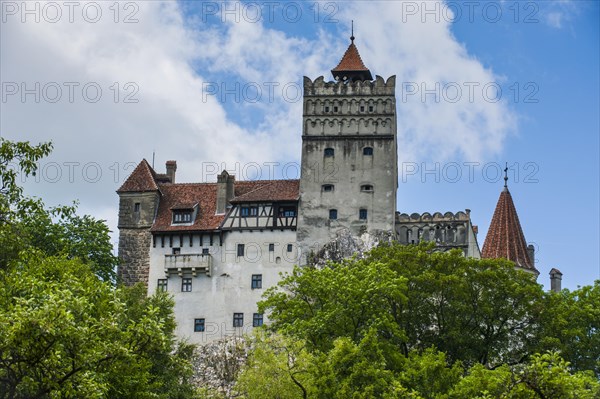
(170, 60)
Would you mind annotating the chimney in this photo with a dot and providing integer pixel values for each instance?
(555, 280)
(225, 183)
(531, 254)
(171, 168)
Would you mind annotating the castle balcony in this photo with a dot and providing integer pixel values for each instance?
(188, 263)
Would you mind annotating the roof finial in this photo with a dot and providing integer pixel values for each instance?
(506, 176)
(352, 37)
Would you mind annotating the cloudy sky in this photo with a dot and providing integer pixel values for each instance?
(217, 85)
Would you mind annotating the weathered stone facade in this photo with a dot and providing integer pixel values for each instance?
(448, 231)
(349, 160)
(134, 253)
(136, 215)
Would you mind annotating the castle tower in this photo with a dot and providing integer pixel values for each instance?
(349, 155)
(505, 237)
(138, 201)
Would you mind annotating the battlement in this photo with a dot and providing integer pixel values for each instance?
(377, 87)
(436, 217)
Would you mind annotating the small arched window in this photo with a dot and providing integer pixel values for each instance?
(366, 188)
(329, 152)
(332, 214)
(327, 188)
(368, 151)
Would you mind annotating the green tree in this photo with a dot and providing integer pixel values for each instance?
(545, 376)
(475, 311)
(26, 224)
(571, 326)
(278, 367)
(64, 333)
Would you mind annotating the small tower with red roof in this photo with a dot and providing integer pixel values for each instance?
(505, 238)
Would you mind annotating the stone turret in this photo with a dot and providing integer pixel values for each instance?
(138, 201)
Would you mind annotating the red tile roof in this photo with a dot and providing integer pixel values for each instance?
(180, 196)
(351, 61)
(176, 196)
(143, 178)
(269, 190)
(505, 237)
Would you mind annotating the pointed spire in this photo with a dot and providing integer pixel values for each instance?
(505, 238)
(351, 67)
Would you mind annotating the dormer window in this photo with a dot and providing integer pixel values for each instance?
(329, 152)
(182, 216)
(368, 188)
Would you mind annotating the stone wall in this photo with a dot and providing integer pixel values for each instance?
(134, 235)
(134, 255)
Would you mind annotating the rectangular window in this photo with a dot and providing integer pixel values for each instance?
(290, 247)
(362, 214)
(332, 214)
(238, 319)
(253, 211)
(271, 247)
(182, 216)
(256, 281)
(136, 207)
(244, 211)
(205, 251)
(240, 250)
(257, 320)
(198, 325)
(287, 212)
(186, 284)
(176, 251)
(162, 285)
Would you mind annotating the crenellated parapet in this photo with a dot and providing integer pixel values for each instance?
(435, 217)
(377, 87)
(448, 230)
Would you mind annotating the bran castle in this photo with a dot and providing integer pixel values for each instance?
(216, 247)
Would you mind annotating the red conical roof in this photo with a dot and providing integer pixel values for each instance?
(352, 65)
(505, 237)
(143, 178)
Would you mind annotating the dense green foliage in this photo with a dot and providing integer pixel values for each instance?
(407, 322)
(66, 330)
(26, 224)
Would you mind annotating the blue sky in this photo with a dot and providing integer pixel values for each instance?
(169, 61)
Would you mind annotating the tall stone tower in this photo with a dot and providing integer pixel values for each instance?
(349, 172)
(138, 201)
